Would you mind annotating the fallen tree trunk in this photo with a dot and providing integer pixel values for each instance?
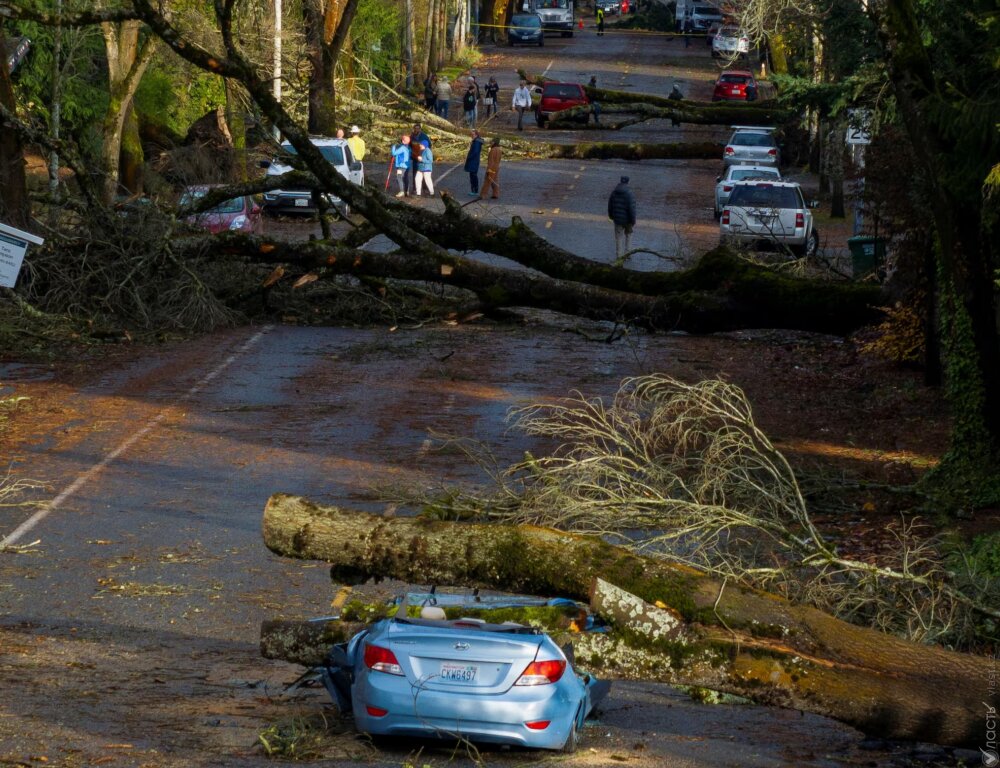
(721, 292)
(681, 111)
(732, 639)
(606, 150)
(304, 642)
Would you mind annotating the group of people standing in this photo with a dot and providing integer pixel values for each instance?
(438, 94)
(413, 161)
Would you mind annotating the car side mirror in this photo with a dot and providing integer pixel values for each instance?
(264, 164)
(718, 179)
(356, 165)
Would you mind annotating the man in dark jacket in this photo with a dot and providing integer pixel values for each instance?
(621, 210)
(472, 162)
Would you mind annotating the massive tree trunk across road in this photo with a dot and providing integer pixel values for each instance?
(723, 637)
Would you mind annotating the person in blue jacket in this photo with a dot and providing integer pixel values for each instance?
(472, 162)
(401, 161)
(425, 167)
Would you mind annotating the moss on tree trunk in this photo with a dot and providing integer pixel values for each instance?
(736, 640)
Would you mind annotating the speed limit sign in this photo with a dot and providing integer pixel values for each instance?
(859, 126)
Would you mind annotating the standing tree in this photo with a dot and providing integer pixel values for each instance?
(15, 208)
(327, 23)
(129, 48)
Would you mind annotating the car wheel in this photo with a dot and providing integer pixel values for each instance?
(812, 245)
(572, 741)
(540, 119)
(717, 213)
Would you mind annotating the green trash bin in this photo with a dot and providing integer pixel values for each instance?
(867, 255)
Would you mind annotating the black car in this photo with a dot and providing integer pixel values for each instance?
(526, 29)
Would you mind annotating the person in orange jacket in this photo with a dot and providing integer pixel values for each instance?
(492, 182)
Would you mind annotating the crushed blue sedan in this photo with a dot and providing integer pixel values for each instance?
(428, 675)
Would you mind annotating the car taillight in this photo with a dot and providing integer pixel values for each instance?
(542, 672)
(538, 725)
(382, 660)
(727, 188)
(376, 711)
(730, 151)
(725, 215)
(800, 220)
(772, 152)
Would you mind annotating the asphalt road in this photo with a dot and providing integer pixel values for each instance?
(130, 615)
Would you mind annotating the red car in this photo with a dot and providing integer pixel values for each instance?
(559, 96)
(735, 85)
(241, 214)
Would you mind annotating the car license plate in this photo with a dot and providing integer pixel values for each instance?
(736, 91)
(301, 202)
(459, 673)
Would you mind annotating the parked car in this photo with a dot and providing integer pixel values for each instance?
(18, 49)
(735, 85)
(751, 145)
(461, 678)
(240, 214)
(734, 173)
(525, 29)
(730, 42)
(337, 153)
(769, 213)
(608, 6)
(712, 31)
(704, 15)
(557, 97)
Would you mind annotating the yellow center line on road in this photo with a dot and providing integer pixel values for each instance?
(572, 186)
(548, 225)
(555, 210)
(577, 176)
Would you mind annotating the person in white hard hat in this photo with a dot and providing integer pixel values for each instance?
(356, 143)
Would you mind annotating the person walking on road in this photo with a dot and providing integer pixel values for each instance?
(469, 105)
(356, 143)
(600, 21)
(522, 101)
(443, 96)
(621, 210)
(492, 183)
(401, 162)
(430, 93)
(472, 160)
(425, 168)
(492, 91)
(479, 96)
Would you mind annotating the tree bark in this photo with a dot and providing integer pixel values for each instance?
(15, 207)
(727, 638)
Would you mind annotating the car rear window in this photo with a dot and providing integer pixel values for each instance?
(738, 174)
(752, 140)
(707, 10)
(531, 21)
(738, 79)
(562, 91)
(765, 196)
(551, 4)
(333, 155)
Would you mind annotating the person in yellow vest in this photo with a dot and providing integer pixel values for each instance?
(356, 143)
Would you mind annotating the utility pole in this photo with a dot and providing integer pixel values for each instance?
(56, 101)
(277, 60)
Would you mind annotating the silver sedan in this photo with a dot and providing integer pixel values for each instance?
(750, 145)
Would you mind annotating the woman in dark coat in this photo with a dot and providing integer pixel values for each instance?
(472, 161)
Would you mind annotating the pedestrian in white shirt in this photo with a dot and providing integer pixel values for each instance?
(522, 101)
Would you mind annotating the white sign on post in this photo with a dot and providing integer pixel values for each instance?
(13, 244)
(859, 126)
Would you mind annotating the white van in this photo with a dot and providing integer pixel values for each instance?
(337, 153)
